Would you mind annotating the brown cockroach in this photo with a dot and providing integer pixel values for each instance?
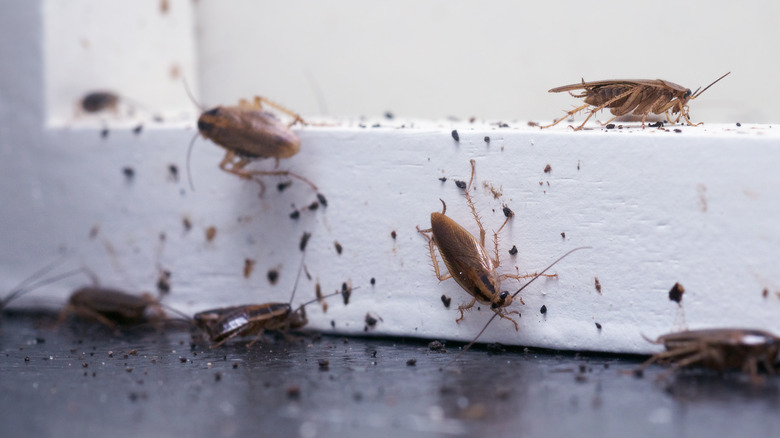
(97, 101)
(629, 96)
(247, 132)
(112, 307)
(719, 349)
(468, 261)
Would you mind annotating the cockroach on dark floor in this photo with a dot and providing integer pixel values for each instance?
(467, 259)
(247, 133)
(225, 323)
(639, 97)
(718, 349)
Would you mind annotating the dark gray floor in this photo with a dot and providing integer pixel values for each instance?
(80, 379)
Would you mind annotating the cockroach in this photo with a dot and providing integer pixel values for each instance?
(247, 132)
(467, 259)
(112, 307)
(225, 323)
(97, 101)
(535, 276)
(629, 96)
(719, 349)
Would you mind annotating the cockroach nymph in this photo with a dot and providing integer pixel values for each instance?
(639, 97)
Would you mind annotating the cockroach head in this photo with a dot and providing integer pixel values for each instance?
(504, 299)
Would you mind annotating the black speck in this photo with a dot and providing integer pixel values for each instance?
(563, 234)
(513, 250)
(487, 139)
(411, 362)
(502, 125)
(373, 281)
(389, 115)
(129, 172)
(376, 125)
(314, 205)
(495, 348)
(370, 320)
(283, 185)
(508, 211)
(235, 365)
(27, 358)
(393, 234)
(295, 214)
(173, 171)
(104, 133)
(338, 247)
(543, 310)
(273, 276)
(739, 124)
(183, 359)
(610, 126)
(346, 292)
(598, 326)
(322, 199)
(137, 130)
(293, 392)
(443, 179)
(460, 184)
(676, 293)
(324, 364)
(677, 130)
(547, 169)
(446, 300)
(658, 124)
(304, 241)
(455, 135)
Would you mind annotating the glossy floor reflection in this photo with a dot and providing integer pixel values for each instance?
(79, 379)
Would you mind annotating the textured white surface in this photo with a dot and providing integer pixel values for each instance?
(698, 207)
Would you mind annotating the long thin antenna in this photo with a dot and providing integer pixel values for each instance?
(33, 283)
(465, 349)
(695, 95)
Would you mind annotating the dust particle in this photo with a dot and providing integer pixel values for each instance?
(211, 232)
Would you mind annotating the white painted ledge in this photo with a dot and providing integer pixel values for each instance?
(698, 207)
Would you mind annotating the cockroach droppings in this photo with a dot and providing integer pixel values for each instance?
(249, 266)
(338, 247)
(138, 129)
(314, 205)
(304, 240)
(211, 233)
(322, 199)
(129, 173)
(283, 185)
(610, 126)
(547, 169)
(598, 285)
(173, 172)
(765, 293)
(508, 211)
(273, 276)
(487, 139)
(164, 282)
(455, 135)
(346, 292)
(513, 250)
(293, 392)
(371, 320)
(677, 130)
(411, 362)
(543, 310)
(460, 184)
(372, 281)
(446, 300)
(676, 293)
(185, 222)
(739, 124)
(295, 214)
(598, 326)
(393, 234)
(443, 179)
(324, 364)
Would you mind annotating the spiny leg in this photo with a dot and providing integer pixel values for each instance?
(471, 204)
(433, 254)
(505, 315)
(568, 114)
(464, 307)
(297, 118)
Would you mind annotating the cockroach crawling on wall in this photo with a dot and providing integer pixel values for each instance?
(248, 132)
(639, 97)
(468, 261)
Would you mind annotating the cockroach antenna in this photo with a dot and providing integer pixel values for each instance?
(698, 93)
(192, 142)
(467, 347)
